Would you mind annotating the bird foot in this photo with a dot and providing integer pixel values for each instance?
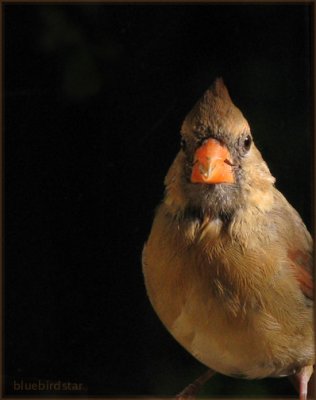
(302, 382)
(304, 377)
(191, 391)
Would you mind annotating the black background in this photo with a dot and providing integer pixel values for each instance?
(94, 99)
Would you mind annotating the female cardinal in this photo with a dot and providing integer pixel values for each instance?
(228, 262)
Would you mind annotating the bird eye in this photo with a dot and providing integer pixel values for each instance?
(183, 144)
(247, 142)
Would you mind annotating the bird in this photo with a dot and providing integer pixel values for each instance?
(228, 262)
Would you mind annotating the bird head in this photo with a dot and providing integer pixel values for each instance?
(218, 169)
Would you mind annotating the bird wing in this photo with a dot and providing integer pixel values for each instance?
(299, 243)
(301, 264)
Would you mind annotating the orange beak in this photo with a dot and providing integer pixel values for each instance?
(212, 164)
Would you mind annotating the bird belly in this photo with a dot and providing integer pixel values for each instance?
(251, 345)
(221, 344)
(238, 348)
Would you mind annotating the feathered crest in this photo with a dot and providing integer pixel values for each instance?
(215, 112)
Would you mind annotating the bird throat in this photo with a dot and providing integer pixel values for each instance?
(212, 201)
(198, 214)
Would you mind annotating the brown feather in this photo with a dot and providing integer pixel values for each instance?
(227, 267)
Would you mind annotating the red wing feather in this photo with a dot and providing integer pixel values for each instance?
(301, 264)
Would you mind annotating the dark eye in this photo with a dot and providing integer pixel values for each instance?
(246, 143)
(183, 144)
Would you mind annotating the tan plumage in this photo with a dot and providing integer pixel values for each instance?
(227, 266)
